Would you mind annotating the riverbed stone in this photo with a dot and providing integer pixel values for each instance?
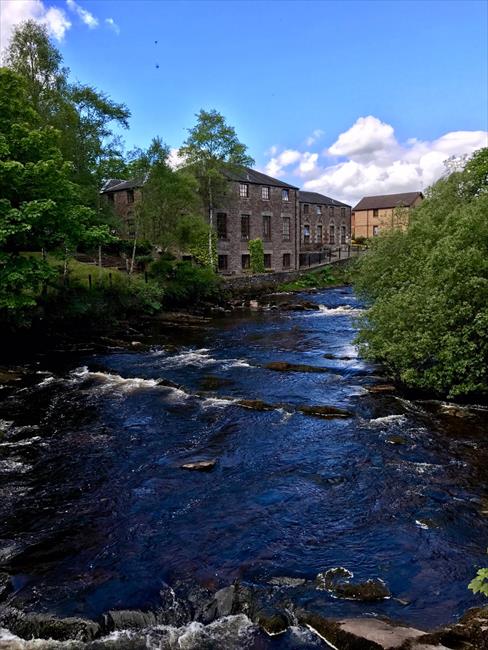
(272, 620)
(200, 465)
(327, 412)
(256, 405)
(127, 619)
(212, 382)
(234, 599)
(284, 366)
(285, 581)
(5, 585)
(167, 383)
(44, 626)
(338, 582)
(381, 388)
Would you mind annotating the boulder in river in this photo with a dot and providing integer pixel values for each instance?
(338, 582)
(286, 581)
(381, 388)
(272, 621)
(234, 599)
(200, 465)
(168, 383)
(44, 626)
(212, 382)
(327, 412)
(5, 585)
(256, 405)
(284, 366)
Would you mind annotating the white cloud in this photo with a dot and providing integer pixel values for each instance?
(87, 17)
(312, 139)
(372, 161)
(174, 158)
(113, 25)
(18, 11)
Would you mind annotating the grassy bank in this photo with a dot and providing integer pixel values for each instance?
(328, 276)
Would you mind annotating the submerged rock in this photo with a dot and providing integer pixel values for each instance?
(396, 440)
(338, 358)
(337, 581)
(381, 388)
(44, 626)
(200, 465)
(128, 619)
(299, 306)
(168, 383)
(285, 581)
(212, 382)
(284, 366)
(5, 585)
(327, 412)
(235, 599)
(272, 620)
(256, 405)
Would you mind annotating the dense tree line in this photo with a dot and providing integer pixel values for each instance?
(57, 147)
(427, 289)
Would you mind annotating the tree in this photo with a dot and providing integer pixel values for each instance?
(427, 289)
(40, 207)
(83, 115)
(211, 151)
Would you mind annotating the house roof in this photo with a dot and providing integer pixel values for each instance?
(382, 201)
(116, 184)
(248, 175)
(315, 197)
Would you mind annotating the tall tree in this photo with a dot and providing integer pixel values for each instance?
(40, 207)
(82, 114)
(211, 151)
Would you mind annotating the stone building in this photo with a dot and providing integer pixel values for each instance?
(376, 213)
(323, 222)
(122, 196)
(257, 206)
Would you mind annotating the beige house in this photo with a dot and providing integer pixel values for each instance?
(376, 213)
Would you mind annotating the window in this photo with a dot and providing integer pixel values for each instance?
(221, 225)
(222, 262)
(267, 260)
(305, 208)
(286, 228)
(286, 260)
(319, 233)
(376, 212)
(318, 209)
(331, 210)
(130, 196)
(306, 234)
(246, 261)
(265, 193)
(376, 231)
(266, 228)
(285, 195)
(343, 234)
(243, 190)
(343, 212)
(331, 234)
(245, 226)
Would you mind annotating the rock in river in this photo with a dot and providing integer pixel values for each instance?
(200, 465)
(338, 582)
(256, 405)
(327, 412)
(284, 366)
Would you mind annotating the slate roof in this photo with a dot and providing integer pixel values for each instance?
(116, 184)
(248, 175)
(388, 201)
(315, 197)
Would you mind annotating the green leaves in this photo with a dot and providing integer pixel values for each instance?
(479, 584)
(427, 288)
(256, 252)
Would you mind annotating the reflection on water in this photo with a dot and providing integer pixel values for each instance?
(97, 513)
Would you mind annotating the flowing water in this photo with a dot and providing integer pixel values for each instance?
(97, 514)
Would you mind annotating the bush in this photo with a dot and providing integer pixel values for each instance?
(186, 283)
(428, 289)
(256, 252)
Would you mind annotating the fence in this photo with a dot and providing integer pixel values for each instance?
(329, 256)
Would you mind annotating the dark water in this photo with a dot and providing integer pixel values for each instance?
(96, 512)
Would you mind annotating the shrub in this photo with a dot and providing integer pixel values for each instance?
(256, 252)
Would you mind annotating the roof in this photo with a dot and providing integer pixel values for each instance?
(405, 199)
(315, 197)
(248, 175)
(116, 184)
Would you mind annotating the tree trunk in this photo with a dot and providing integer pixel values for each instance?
(100, 263)
(133, 258)
(65, 267)
(211, 220)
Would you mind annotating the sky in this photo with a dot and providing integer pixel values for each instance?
(344, 98)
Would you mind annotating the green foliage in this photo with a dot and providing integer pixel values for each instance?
(324, 277)
(185, 283)
(428, 289)
(256, 253)
(479, 584)
(193, 235)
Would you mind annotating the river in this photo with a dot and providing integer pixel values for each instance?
(97, 513)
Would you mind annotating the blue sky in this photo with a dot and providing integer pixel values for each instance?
(280, 71)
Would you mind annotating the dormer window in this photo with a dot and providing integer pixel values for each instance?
(243, 190)
(265, 193)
